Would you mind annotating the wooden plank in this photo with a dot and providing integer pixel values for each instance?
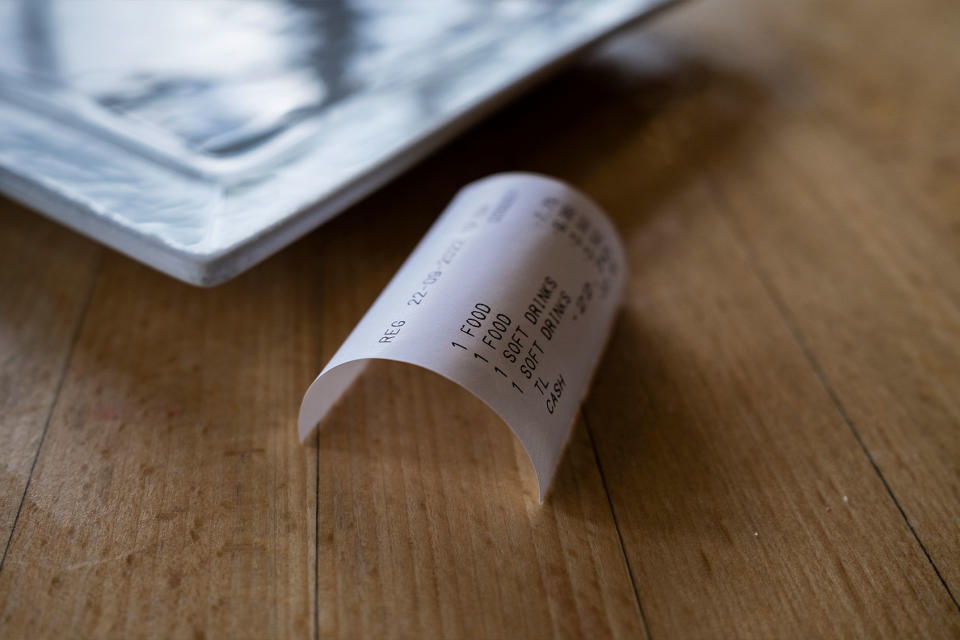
(171, 497)
(851, 222)
(46, 273)
(429, 524)
(747, 506)
(871, 293)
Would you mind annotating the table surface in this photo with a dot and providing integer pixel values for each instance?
(771, 447)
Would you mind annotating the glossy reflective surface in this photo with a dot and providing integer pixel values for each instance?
(200, 137)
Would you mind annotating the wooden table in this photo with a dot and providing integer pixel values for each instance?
(771, 447)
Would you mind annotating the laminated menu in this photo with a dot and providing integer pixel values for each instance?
(511, 294)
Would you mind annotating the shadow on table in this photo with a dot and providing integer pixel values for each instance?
(631, 127)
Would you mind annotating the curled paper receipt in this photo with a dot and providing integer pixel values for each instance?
(511, 294)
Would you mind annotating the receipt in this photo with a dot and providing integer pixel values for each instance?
(511, 294)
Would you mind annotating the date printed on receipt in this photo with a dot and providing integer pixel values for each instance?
(511, 294)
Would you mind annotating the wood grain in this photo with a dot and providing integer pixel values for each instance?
(755, 495)
(787, 198)
(171, 496)
(771, 448)
(430, 525)
(864, 264)
(46, 273)
(878, 321)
